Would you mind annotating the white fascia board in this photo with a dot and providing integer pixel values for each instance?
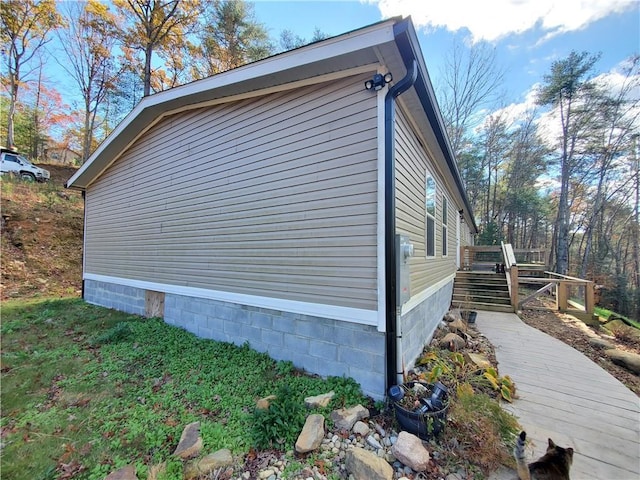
(345, 314)
(320, 51)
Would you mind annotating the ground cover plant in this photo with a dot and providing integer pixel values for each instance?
(86, 390)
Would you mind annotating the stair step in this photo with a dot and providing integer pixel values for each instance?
(481, 293)
(491, 307)
(481, 298)
(482, 286)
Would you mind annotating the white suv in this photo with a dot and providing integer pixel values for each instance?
(13, 162)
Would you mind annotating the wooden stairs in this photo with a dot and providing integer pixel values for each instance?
(473, 290)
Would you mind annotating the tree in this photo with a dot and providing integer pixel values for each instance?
(88, 41)
(470, 81)
(289, 40)
(563, 89)
(230, 37)
(156, 23)
(522, 202)
(25, 26)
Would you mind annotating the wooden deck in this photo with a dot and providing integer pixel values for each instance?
(567, 397)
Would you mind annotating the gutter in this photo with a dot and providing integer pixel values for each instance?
(406, 38)
(393, 338)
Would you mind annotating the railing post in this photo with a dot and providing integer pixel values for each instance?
(589, 298)
(513, 272)
(562, 296)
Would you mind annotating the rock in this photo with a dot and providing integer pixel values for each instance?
(453, 342)
(450, 317)
(319, 400)
(601, 343)
(190, 443)
(410, 451)
(458, 326)
(265, 474)
(364, 465)
(345, 418)
(477, 359)
(312, 434)
(373, 442)
(206, 465)
(454, 476)
(628, 360)
(263, 403)
(124, 473)
(361, 428)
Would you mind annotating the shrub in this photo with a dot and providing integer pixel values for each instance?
(281, 423)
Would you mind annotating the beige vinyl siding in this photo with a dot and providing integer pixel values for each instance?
(272, 196)
(412, 165)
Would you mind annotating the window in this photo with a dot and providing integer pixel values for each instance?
(430, 220)
(445, 226)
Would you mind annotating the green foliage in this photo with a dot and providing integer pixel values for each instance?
(503, 385)
(490, 235)
(281, 423)
(104, 389)
(450, 368)
(115, 334)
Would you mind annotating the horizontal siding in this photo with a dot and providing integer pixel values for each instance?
(412, 163)
(272, 196)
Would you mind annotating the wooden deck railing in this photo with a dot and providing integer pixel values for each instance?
(518, 261)
(560, 286)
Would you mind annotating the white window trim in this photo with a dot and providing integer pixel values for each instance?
(428, 216)
(445, 226)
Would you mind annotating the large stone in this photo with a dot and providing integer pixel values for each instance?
(628, 360)
(601, 343)
(410, 450)
(265, 403)
(319, 400)
(451, 317)
(206, 465)
(312, 434)
(364, 465)
(457, 326)
(345, 418)
(453, 342)
(190, 443)
(124, 473)
(361, 428)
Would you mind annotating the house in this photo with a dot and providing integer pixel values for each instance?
(61, 154)
(273, 204)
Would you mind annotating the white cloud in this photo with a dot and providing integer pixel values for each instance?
(495, 19)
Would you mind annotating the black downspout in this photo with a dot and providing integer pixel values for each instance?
(390, 219)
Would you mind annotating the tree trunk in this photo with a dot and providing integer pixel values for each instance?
(12, 110)
(147, 70)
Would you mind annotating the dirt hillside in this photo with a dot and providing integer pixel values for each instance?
(41, 241)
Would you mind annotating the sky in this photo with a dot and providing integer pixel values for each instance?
(527, 35)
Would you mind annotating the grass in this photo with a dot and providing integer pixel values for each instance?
(41, 240)
(86, 390)
(605, 313)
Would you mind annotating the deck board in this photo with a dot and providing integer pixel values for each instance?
(563, 395)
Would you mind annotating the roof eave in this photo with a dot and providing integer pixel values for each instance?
(327, 56)
(409, 48)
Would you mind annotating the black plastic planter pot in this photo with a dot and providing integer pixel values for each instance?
(469, 315)
(425, 425)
